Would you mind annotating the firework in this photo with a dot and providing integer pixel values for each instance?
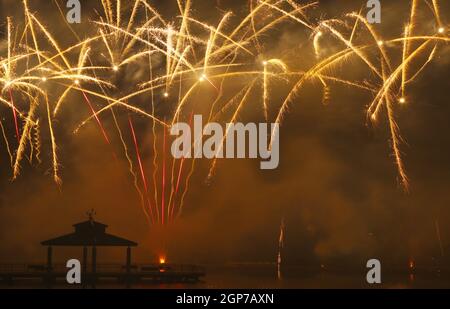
(280, 249)
(186, 57)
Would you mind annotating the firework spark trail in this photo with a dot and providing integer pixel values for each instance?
(355, 26)
(8, 148)
(169, 55)
(97, 119)
(437, 12)
(172, 190)
(288, 14)
(246, 19)
(409, 30)
(316, 43)
(163, 186)
(23, 140)
(285, 13)
(118, 12)
(186, 188)
(61, 100)
(430, 58)
(133, 16)
(8, 74)
(184, 11)
(37, 141)
(141, 169)
(332, 60)
(56, 176)
(375, 36)
(212, 41)
(356, 50)
(114, 103)
(265, 92)
(177, 186)
(30, 156)
(280, 249)
(404, 55)
(395, 141)
(153, 83)
(217, 32)
(210, 117)
(16, 124)
(395, 137)
(133, 41)
(154, 12)
(438, 234)
(413, 16)
(154, 135)
(326, 91)
(30, 24)
(107, 8)
(177, 68)
(232, 120)
(64, 19)
(275, 62)
(273, 23)
(183, 101)
(129, 160)
(180, 171)
(108, 48)
(172, 174)
(252, 22)
(53, 42)
(374, 107)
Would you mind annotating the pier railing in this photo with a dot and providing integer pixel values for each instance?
(153, 273)
(101, 268)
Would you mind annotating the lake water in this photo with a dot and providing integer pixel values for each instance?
(265, 277)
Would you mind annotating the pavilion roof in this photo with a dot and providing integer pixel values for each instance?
(89, 233)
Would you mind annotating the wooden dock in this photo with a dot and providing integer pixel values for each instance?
(10, 274)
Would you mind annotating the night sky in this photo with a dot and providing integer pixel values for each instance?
(337, 186)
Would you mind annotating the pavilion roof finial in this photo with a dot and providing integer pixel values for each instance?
(91, 213)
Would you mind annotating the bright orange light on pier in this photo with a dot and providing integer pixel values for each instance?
(162, 260)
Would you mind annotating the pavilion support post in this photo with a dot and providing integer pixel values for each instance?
(84, 274)
(94, 265)
(49, 258)
(128, 267)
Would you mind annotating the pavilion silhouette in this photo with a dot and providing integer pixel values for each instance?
(87, 234)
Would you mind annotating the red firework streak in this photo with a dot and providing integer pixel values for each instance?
(141, 168)
(15, 116)
(180, 171)
(102, 129)
(163, 201)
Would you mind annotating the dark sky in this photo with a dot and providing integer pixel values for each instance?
(336, 185)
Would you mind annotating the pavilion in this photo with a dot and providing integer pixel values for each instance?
(89, 234)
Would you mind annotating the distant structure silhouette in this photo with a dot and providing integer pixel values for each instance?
(92, 234)
(89, 234)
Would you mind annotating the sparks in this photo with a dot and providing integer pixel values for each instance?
(184, 62)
